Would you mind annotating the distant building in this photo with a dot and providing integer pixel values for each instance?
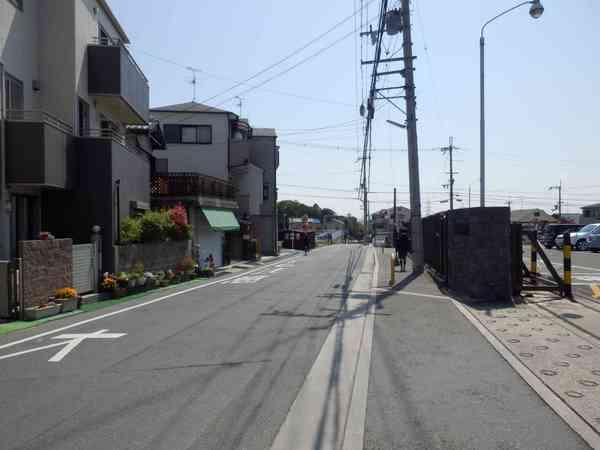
(571, 218)
(590, 214)
(296, 223)
(383, 220)
(534, 217)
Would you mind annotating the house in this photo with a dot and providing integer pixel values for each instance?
(76, 136)
(535, 217)
(590, 214)
(383, 220)
(194, 169)
(312, 224)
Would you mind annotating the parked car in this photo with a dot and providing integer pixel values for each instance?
(579, 238)
(552, 230)
(593, 243)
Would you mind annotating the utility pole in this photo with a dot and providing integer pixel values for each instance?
(559, 189)
(450, 149)
(394, 216)
(509, 202)
(413, 154)
(469, 196)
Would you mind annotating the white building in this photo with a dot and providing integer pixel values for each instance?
(70, 92)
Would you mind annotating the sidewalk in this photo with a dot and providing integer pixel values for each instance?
(437, 384)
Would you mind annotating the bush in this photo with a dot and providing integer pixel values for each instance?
(67, 292)
(131, 230)
(180, 230)
(154, 226)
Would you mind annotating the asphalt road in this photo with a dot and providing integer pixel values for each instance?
(221, 366)
(214, 368)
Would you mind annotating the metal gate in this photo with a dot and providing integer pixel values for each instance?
(85, 268)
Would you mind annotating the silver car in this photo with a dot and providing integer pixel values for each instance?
(593, 243)
(579, 238)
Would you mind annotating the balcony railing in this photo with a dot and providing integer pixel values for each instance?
(105, 133)
(180, 184)
(111, 42)
(38, 116)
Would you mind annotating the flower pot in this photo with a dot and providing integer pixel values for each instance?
(67, 304)
(36, 313)
(164, 283)
(131, 283)
(141, 281)
(119, 292)
(151, 283)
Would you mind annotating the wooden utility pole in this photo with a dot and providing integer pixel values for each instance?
(413, 154)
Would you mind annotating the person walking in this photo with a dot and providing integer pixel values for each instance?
(402, 250)
(306, 243)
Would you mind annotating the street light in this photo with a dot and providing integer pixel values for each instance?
(536, 10)
(396, 124)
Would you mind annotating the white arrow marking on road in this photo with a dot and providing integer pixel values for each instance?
(73, 341)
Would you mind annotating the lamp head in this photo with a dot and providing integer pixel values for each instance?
(536, 10)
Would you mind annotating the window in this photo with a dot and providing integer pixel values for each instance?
(84, 117)
(266, 189)
(188, 134)
(17, 3)
(13, 90)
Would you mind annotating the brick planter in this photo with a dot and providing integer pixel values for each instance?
(36, 313)
(67, 304)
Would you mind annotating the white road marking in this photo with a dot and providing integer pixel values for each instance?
(332, 401)
(129, 308)
(249, 279)
(73, 340)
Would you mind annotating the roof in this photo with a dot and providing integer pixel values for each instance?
(193, 107)
(104, 5)
(531, 216)
(595, 205)
(264, 132)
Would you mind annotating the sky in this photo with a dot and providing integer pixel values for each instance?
(542, 93)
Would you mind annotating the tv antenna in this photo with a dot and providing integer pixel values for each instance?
(194, 80)
(239, 104)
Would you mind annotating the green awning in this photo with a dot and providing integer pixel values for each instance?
(221, 219)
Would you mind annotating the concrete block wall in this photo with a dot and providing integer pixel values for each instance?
(479, 258)
(154, 255)
(47, 266)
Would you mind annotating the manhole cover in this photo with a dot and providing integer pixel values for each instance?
(574, 394)
(573, 355)
(585, 347)
(542, 347)
(553, 340)
(596, 372)
(526, 355)
(549, 373)
(514, 341)
(562, 364)
(588, 383)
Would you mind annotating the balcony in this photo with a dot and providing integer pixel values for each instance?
(203, 189)
(117, 83)
(38, 150)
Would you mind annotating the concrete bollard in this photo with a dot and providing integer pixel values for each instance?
(567, 277)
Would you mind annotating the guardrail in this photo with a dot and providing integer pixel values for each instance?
(181, 184)
(38, 116)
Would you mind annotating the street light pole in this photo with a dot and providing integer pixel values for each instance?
(535, 11)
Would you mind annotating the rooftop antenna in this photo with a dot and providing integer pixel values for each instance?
(239, 104)
(194, 80)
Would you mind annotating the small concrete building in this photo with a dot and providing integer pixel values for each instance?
(590, 214)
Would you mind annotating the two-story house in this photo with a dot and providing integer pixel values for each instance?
(194, 169)
(75, 139)
(255, 160)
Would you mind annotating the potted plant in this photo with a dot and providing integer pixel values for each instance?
(138, 274)
(116, 285)
(67, 299)
(188, 267)
(42, 311)
(151, 280)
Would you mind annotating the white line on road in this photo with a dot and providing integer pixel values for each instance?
(130, 308)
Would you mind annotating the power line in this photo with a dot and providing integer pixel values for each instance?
(282, 60)
(347, 148)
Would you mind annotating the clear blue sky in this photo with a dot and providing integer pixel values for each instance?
(543, 92)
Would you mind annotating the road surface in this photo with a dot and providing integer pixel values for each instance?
(298, 347)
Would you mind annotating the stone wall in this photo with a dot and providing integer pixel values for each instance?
(155, 255)
(479, 257)
(47, 266)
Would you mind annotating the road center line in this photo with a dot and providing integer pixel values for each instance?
(133, 307)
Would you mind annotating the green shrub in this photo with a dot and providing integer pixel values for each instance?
(131, 230)
(154, 225)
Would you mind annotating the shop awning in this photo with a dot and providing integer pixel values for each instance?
(221, 219)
